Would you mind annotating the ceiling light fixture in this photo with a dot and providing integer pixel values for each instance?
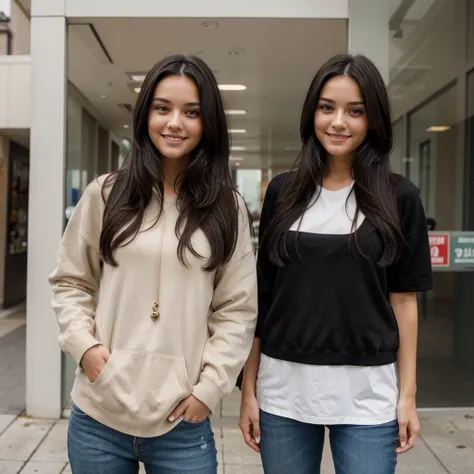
(238, 148)
(233, 53)
(138, 77)
(232, 87)
(137, 89)
(438, 128)
(235, 112)
(237, 164)
(236, 158)
(237, 130)
(125, 126)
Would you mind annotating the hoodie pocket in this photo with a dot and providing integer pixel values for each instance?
(142, 384)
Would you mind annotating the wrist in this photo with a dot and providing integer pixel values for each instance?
(408, 395)
(248, 392)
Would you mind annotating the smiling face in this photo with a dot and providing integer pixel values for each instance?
(340, 121)
(174, 118)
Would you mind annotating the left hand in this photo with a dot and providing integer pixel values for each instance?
(408, 424)
(191, 409)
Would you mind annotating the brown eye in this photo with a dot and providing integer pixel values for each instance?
(193, 113)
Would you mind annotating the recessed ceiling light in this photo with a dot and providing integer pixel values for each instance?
(235, 112)
(233, 53)
(438, 128)
(236, 158)
(138, 77)
(237, 164)
(125, 126)
(103, 97)
(238, 148)
(232, 87)
(137, 89)
(237, 130)
(210, 24)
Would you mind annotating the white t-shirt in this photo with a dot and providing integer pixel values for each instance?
(328, 395)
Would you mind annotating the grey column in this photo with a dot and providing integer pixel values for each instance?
(46, 207)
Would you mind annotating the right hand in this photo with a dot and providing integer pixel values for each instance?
(94, 360)
(249, 421)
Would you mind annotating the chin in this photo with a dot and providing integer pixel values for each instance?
(174, 156)
(337, 151)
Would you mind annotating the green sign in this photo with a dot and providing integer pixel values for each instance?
(462, 248)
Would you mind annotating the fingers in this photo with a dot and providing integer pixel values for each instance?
(402, 433)
(256, 429)
(411, 435)
(251, 432)
(179, 410)
(247, 433)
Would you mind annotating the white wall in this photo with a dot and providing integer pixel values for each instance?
(15, 83)
(20, 26)
(204, 8)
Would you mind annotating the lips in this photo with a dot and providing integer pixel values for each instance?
(338, 137)
(173, 138)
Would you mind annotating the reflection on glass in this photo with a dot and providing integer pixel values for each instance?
(18, 217)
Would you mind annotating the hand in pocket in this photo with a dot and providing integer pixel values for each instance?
(94, 360)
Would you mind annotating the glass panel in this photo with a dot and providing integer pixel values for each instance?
(398, 156)
(428, 50)
(434, 148)
(249, 184)
(470, 31)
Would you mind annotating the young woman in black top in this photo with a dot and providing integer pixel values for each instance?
(343, 251)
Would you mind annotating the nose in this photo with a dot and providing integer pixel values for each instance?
(339, 120)
(174, 122)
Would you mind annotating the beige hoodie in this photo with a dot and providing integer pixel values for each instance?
(199, 342)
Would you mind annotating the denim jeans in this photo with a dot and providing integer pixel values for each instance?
(94, 448)
(290, 447)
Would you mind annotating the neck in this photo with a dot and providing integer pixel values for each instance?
(339, 168)
(171, 170)
(338, 174)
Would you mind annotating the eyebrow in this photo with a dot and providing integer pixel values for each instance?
(357, 102)
(166, 101)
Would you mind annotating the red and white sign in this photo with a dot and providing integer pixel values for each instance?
(439, 245)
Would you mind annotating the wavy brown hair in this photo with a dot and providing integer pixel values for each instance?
(375, 184)
(206, 193)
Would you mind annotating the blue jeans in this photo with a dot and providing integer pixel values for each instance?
(290, 447)
(94, 448)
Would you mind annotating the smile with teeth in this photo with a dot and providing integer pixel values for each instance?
(173, 139)
(336, 137)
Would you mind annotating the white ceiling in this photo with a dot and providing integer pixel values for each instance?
(277, 60)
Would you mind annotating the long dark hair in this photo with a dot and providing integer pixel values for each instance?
(206, 197)
(374, 185)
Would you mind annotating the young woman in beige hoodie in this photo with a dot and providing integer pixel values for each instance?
(167, 239)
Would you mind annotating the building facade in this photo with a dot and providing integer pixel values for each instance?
(77, 89)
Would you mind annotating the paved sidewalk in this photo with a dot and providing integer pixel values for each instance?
(39, 446)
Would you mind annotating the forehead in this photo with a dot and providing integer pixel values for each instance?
(341, 89)
(177, 89)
